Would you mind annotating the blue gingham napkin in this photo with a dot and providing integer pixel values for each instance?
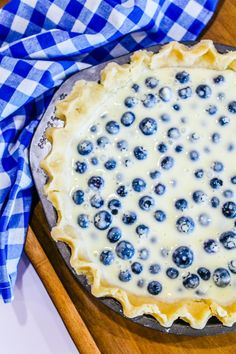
(41, 43)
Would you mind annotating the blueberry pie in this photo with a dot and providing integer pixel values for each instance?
(143, 178)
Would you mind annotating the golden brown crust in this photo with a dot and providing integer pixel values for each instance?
(76, 106)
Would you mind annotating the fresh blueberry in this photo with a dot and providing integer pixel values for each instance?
(194, 155)
(228, 240)
(185, 224)
(154, 268)
(223, 120)
(199, 196)
(96, 183)
(154, 174)
(142, 229)
(93, 129)
(160, 189)
(221, 277)
(143, 254)
(215, 202)
(140, 153)
(127, 118)
(136, 268)
(85, 147)
(112, 127)
(96, 201)
(162, 148)
(151, 82)
(122, 191)
(181, 204)
(160, 215)
(148, 126)
(199, 173)
(229, 210)
(219, 79)
(165, 94)
(228, 193)
(103, 141)
(211, 246)
(217, 166)
(191, 281)
(107, 257)
(102, 220)
(94, 161)
(135, 87)
(172, 273)
(130, 102)
(167, 162)
(110, 164)
(233, 179)
(129, 218)
(165, 117)
(114, 234)
(173, 133)
(232, 266)
(80, 167)
(232, 107)
(204, 219)
(154, 287)
(182, 77)
(125, 275)
(215, 138)
(125, 250)
(216, 183)
(179, 148)
(203, 91)
(185, 92)
(204, 273)
(211, 110)
(114, 205)
(176, 107)
(138, 185)
(183, 257)
(150, 100)
(78, 197)
(83, 221)
(122, 145)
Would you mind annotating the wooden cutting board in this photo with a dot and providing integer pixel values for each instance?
(92, 326)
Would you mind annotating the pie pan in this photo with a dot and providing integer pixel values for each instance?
(40, 147)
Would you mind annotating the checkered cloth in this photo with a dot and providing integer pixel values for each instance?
(41, 43)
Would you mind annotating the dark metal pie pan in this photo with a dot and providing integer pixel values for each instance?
(40, 148)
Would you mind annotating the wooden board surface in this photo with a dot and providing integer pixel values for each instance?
(112, 333)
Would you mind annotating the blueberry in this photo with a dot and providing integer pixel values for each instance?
(136, 267)
(102, 220)
(183, 257)
(211, 246)
(217, 166)
(232, 266)
(215, 138)
(146, 203)
(228, 193)
(229, 210)
(93, 128)
(83, 221)
(80, 167)
(127, 118)
(96, 201)
(125, 275)
(199, 196)
(114, 205)
(173, 133)
(96, 183)
(141, 283)
(232, 107)
(203, 91)
(103, 141)
(185, 224)
(165, 117)
(150, 100)
(122, 145)
(181, 204)
(160, 189)
(122, 191)
(199, 173)
(107, 257)
(179, 148)
(154, 268)
(143, 254)
(182, 77)
(135, 87)
(167, 162)
(162, 148)
(142, 229)
(148, 126)
(204, 273)
(223, 120)
(194, 155)
(110, 164)
(165, 94)
(94, 161)
(185, 92)
(230, 147)
(204, 219)
(138, 185)
(130, 102)
(172, 273)
(191, 281)
(154, 174)
(112, 127)
(176, 107)
(215, 202)
(221, 277)
(159, 215)
(228, 240)
(129, 218)
(154, 287)
(216, 183)
(219, 79)
(140, 153)
(125, 250)
(151, 82)
(78, 197)
(85, 147)
(211, 110)
(233, 179)
(114, 234)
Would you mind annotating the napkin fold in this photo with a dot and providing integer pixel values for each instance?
(42, 42)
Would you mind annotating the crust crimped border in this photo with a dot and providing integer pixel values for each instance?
(77, 106)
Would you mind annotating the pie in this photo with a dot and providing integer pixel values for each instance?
(143, 179)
